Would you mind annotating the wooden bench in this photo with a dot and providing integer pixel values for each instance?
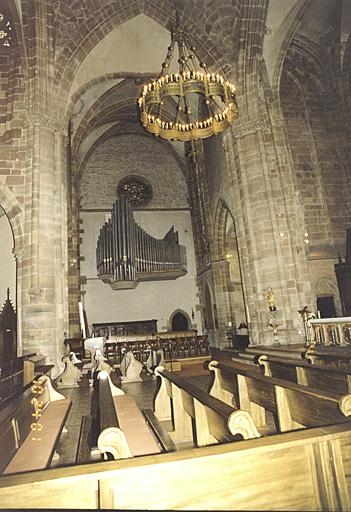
(21, 447)
(324, 355)
(303, 470)
(333, 379)
(292, 405)
(197, 416)
(123, 430)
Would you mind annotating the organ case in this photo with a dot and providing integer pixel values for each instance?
(126, 254)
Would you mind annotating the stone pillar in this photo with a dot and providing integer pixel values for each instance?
(270, 231)
(74, 290)
(44, 261)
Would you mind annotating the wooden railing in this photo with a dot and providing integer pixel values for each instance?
(175, 346)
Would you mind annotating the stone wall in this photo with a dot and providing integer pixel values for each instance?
(131, 154)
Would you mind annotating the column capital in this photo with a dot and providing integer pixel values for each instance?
(49, 122)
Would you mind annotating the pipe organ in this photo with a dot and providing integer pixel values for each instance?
(126, 254)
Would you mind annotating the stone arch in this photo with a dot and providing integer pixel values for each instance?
(14, 213)
(220, 222)
(11, 9)
(289, 27)
(103, 21)
(179, 312)
(326, 286)
(111, 132)
(227, 271)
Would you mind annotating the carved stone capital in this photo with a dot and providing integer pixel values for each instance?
(49, 122)
(248, 127)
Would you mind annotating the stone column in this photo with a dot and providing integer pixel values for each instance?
(270, 231)
(44, 263)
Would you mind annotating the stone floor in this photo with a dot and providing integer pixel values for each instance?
(142, 393)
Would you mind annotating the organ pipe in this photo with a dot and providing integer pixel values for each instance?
(126, 254)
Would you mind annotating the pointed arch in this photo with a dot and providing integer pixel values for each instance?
(14, 213)
(182, 315)
(288, 27)
(219, 228)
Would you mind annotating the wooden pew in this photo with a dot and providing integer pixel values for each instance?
(303, 470)
(337, 380)
(19, 448)
(186, 404)
(292, 405)
(123, 430)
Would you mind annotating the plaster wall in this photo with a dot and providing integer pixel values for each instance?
(152, 299)
(139, 46)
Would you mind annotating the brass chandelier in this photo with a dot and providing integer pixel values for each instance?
(190, 103)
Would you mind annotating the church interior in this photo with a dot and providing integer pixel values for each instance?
(175, 254)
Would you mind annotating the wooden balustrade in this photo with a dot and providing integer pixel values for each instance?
(175, 346)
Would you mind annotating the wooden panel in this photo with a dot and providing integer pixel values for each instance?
(208, 486)
(38, 454)
(262, 393)
(229, 382)
(280, 371)
(345, 450)
(218, 426)
(107, 412)
(84, 441)
(330, 381)
(277, 472)
(7, 444)
(28, 372)
(188, 403)
(162, 435)
(24, 418)
(313, 411)
(140, 439)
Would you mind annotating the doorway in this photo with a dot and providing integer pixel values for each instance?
(326, 306)
(180, 322)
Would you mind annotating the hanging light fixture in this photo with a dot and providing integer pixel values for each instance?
(189, 103)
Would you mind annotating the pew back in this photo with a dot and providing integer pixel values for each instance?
(17, 451)
(196, 415)
(333, 379)
(123, 430)
(275, 473)
(294, 405)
